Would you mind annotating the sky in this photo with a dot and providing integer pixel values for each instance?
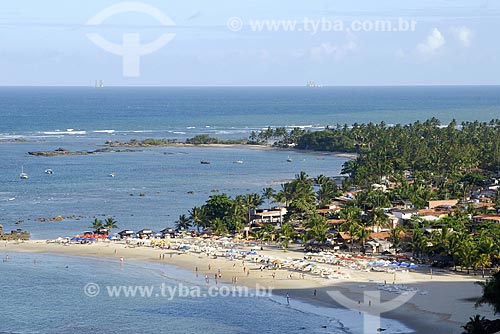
(249, 43)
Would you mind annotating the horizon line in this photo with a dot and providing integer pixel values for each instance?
(249, 86)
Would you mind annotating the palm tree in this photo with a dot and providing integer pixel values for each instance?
(363, 234)
(320, 232)
(286, 193)
(482, 262)
(476, 325)
(280, 198)
(219, 226)
(491, 292)
(379, 219)
(196, 217)
(287, 232)
(327, 190)
(396, 237)
(418, 242)
(109, 224)
(454, 243)
(353, 233)
(97, 224)
(467, 254)
(268, 194)
(251, 202)
(352, 214)
(182, 223)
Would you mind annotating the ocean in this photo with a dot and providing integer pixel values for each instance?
(172, 179)
(43, 293)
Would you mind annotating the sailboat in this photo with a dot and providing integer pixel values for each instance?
(289, 159)
(23, 175)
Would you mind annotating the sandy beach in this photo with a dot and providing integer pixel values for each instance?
(243, 146)
(438, 304)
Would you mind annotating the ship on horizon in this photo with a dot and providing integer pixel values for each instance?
(99, 84)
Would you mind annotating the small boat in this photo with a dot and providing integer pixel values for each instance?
(238, 162)
(49, 171)
(205, 162)
(23, 175)
(112, 175)
(289, 159)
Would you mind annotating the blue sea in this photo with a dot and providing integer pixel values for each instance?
(43, 293)
(172, 179)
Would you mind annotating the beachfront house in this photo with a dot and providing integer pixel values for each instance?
(168, 233)
(126, 234)
(328, 209)
(444, 203)
(404, 205)
(145, 233)
(402, 216)
(335, 223)
(377, 245)
(478, 219)
(265, 216)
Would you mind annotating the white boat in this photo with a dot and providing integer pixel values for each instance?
(112, 175)
(99, 84)
(23, 175)
(289, 159)
(238, 162)
(49, 171)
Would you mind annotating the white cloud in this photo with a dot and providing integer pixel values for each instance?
(327, 51)
(463, 34)
(434, 42)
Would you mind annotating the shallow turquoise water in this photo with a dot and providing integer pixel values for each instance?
(48, 297)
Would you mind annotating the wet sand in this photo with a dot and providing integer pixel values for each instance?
(444, 302)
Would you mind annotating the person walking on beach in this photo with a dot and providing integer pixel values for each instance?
(287, 299)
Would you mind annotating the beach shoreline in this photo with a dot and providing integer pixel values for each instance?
(438, 311)
(241, 146)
